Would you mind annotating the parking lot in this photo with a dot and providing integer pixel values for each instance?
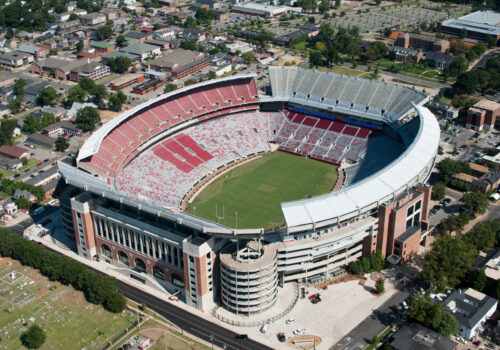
(403, 17)
(343, 306)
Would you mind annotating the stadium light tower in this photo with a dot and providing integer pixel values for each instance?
(236, 218)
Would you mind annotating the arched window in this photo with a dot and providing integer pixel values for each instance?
(140, 265)
(158, 272)
(105, 250)
(177, 280)
(123, 258)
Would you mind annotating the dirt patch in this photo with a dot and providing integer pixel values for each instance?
(41, 292)
(152, 333)
(304, 341)
(266, 188)
(4, 260)
(376, 276)
(344, 278)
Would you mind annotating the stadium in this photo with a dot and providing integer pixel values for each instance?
(222, 195)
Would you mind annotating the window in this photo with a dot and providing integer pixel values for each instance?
(106, 251)
(140, 265)
(418, 205)
(409, 222)
(158, 272)
(123, 258)
(177, 280)
(410, 211)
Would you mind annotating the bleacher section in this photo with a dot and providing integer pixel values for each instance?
(120, 145)
(164, 173)
(370, 98)
(322, 139)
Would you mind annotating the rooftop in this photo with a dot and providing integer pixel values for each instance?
(417, 337)
(469, 306)
(13, 151)
(486, 22)
(178, 56)
(487, 105)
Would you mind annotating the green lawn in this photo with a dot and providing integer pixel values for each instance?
(256, 189)
(69, 321)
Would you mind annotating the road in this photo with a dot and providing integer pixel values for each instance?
(361, 336)
(183, 319)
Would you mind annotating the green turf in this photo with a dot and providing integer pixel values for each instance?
(255, 190)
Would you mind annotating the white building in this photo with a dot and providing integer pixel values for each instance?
(471, 309)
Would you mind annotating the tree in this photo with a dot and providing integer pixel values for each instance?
(380, 285)
(79, 47)
(100, 93)
(119, 64)
(19, 85)
(432, 315)
(324, 6)
(485, 235)
(377, 50)
(115, 103)
(188, 45)
(121, 40)
(76, 94)
(438, 191)
(190, 22)
(6, 131)
(23, 203)
(248, 57)
(87, 84)
(204, 16)
(308, 5)
(476, 202)
(34, 337)
(448, 261)
(15, 105)
(170, 87)
(121, 96)
(62, 144)
(104, 32)
(476, 279)
(315, 58)
(87, 118)
(46, 96)
(337, 4)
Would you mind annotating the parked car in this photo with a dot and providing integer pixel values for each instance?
(264, 328)
(421, 290)
(299, 331)
(404, 305)
(241, 336)
(290, 320)
(461, 340)
(281, 337)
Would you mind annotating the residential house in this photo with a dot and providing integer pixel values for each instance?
(24, 194)
(404, 54)
(39, 140)
(417, 337)
(139, 36)
(11, 164)
(38, 52)
(93, 19)
(439, 60)
(487, 182)
(31, 91)
(471, 309)
(442, 109)
(14, 152)
(64, 128)
(49, 176)
(102, 47)
(16, 59)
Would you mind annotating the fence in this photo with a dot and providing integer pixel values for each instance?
(262, 322)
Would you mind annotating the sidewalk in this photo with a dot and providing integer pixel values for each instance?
(47, 241)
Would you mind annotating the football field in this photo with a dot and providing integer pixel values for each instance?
(249, 196)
